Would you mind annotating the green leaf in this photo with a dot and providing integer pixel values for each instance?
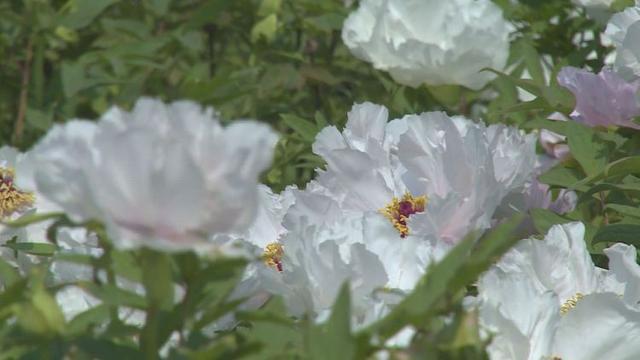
(84, 12)
(9, 275)
(532, 61)
(268, 7)
(265, 29)
(625, 166)
(271, 326)
(39, 119)
(561, 176)
(303, 127)
(448, 277)
(82, 322)
(159, 7)
(626, 233)
(73, 78)
(207, 13)
(526, 84)
(41, 315)
(625, 210)
(33, 248)
(333, 339)
(448, 95)
(586, 148)
(319, 74)
(107, 349)
(551, 125)
(115, 296)
(559, 98)
(33, 218)
(544, 219)
(13, 293)
(535, 104)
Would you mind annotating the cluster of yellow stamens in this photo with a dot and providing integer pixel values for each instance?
(570, 303)
(399, 210)
(12, 200)
(272, 255)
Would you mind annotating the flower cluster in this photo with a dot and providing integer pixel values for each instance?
(167, 185)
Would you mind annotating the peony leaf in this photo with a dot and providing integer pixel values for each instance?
(586, 147)
(333, 339)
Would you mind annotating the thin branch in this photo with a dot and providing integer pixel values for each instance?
(18, 128)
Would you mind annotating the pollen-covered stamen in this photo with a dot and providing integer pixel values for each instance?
(12, 199)
(570, 303)
(272, 255)
(399, 210)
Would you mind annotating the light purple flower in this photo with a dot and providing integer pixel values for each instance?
(603, 99)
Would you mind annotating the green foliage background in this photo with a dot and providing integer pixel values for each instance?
(281, 62)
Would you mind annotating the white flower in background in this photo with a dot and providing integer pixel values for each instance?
(72, 299)
(164, 176)
(623, 30)
(430, 41)
(593, 3)
(537, 195)
(19, 196)
(596, 9)
(546, 299)
(261, 245)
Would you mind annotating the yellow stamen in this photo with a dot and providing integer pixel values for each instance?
(272, 255)
(570, 303)
(12, 199)
(399, 210)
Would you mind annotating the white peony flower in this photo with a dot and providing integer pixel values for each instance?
(623, 30)
(430, 41)
(422, 182)
(164, 176)
(18, 197)
(429, 174)
(261, 245)
(317, 259)
(546, 299)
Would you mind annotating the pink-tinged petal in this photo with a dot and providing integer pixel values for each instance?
(602, 100)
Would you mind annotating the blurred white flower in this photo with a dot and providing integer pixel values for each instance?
(596, 9)
(623, 30)
(72, 299)
(19, 197)
(163, 176)
(261, 245)
(430, 41)
(593, 3)
(546, 299)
